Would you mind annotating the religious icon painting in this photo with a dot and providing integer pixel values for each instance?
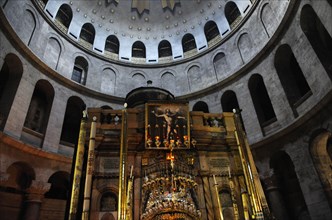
(167, 126)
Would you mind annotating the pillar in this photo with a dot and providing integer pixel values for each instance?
(33, 201)
(275, 198)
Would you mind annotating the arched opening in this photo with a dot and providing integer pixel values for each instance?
(87, 34)
(72, 121)
(318, 37)
(20, 175)
(164, 49)
(225, 198)
(188, 43)
(211, 30)
(232, 13)
(321, 149)
(291, 76)
(38, 113)
(107, 216)
(10, 77)
(80, 70)
(64, 15)
(112, 44)
(289, 186)
(229, 101)
(201, 106)
(60, 186)
(138, 50)
(261, 100)
(108, 202)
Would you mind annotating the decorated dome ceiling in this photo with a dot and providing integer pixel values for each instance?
(150, 22)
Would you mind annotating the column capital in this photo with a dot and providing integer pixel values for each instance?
(37, 190)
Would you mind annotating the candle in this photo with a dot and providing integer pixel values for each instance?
(214, 178)
(131, 171)
(229, 171)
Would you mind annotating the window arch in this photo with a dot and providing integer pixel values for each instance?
(10, 77)
(321, 153)
(188, 43)
(21, 175)
(201, 106)
(29, 23)
(88, 33)
(164, 49)
(108, 202)
(291, 76)
(227, 204)
(112, 44)
(289, 185)
(229, 101)
(220, 65)
(261, 100)
(138, 50)
(211, 30)
(232, 13)
(64, 15)
(72, 121)
(318, 37)
(80, 70)
(60, 186)
(40, 108)
(52, 52)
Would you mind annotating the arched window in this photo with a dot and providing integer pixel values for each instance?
(80, 70)
(164, 49)
(318, 37)
(10, 77)
(291, 76)
(188, 42)
(138, 50)
(88, 33)
(112, 44)
(201, 106)
(108, 202)
(229, 101)
(232, 13)
(64, 15)
(40, 107)
(72, 121)
(211, 30)
(60, 186)
(261, 100)
(289, 186)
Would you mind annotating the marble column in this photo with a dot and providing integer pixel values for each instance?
(33, 201)
(275, 198)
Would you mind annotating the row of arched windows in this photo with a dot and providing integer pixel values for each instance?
(285, 62)
(64, 16)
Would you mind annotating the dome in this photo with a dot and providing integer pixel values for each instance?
(269, 60)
